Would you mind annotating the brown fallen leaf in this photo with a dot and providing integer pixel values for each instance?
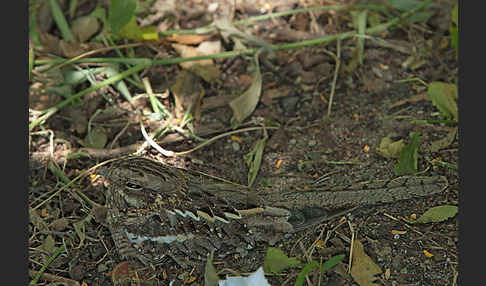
(363, 269)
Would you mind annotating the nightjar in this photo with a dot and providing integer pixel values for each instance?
(155, 210)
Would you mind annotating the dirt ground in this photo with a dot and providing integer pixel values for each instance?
(369, 103)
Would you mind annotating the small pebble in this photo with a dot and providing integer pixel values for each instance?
(312, 143)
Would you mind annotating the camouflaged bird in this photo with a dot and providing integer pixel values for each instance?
(157, 211)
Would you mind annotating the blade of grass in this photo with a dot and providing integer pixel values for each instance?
(61, 21)
(59, 250)
(153, 100)
(33, 33)
(120, 85)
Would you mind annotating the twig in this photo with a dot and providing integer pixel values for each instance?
(152, 143)
(119, 134)
(337, 59)
(169, 153)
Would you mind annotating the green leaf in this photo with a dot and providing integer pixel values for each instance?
(408, 162)
(131, 30)
(276, 261)
(149, 33)
(306, 270)
(254, 159)
(437, 214)
(443, 96)
(332, 261)
(313, 264)
(61, 22)
(120, 13)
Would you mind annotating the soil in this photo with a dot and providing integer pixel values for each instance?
(305, 142)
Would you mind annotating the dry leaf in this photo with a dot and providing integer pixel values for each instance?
(187, 39)
(188, 52)
(363, 269)
(245, 104)
(203, 68)
(445, 141)
(400, 232)
(387, 273)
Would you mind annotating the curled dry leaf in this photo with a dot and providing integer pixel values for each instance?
(246, 103)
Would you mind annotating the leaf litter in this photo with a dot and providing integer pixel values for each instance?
(412, 160)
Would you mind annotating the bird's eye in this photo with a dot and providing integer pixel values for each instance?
(133, 186)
